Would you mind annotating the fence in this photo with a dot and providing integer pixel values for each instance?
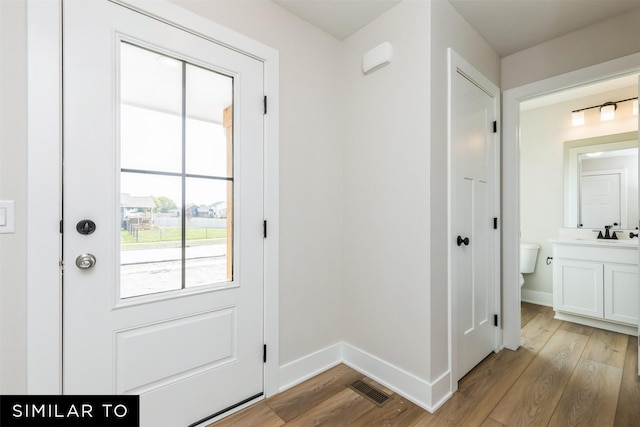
(164, 221)
(169, 229)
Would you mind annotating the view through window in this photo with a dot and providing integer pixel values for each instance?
(176, 176)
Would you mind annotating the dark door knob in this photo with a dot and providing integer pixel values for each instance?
(86, 226)
(462, 241)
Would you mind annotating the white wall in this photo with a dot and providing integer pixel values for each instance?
(311, 135)
(13, 184)
(610, 39)
(396, 284)
(543, 132)
(386, 198)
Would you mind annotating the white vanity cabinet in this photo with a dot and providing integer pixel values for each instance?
(596, 283)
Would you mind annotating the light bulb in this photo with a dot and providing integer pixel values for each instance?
(577, 118)
(608, 112)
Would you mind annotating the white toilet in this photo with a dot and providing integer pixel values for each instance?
(528, 256)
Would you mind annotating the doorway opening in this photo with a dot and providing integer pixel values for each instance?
(551, 198)
(511, 227)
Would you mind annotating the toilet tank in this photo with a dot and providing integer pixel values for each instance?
(528, 255)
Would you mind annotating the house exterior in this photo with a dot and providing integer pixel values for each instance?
(344, 291)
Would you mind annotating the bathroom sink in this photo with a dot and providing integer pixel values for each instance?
(621, 242)
(588, 237)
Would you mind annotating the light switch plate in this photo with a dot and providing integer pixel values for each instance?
(7, 216)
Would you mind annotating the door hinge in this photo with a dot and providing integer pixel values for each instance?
(264, 354)
(61, 226)
(265, 104)
(495, 320)
(495, 126)
(264, 229)
(495, 223)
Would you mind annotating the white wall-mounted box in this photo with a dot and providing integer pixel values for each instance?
(377, 57)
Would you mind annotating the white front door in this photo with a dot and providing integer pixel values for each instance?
(473, 195)
(163, 215)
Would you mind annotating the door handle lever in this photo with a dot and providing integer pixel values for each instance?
(462, 241)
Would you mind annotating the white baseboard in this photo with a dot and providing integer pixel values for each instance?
(306, 367)
(427, 395)
(537, 297)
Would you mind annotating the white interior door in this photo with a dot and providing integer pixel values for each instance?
(163, 134)
(600, 200)
(473, 182)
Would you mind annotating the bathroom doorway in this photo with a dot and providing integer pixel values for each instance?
(511, 209)
(549, 200)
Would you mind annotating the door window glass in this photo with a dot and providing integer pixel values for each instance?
(176, 178)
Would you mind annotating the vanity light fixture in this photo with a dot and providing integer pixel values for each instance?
(607, 111)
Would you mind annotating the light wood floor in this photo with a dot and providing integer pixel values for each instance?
(563, 375)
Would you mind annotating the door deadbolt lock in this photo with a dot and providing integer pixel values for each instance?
(85, 261)
(85, 226)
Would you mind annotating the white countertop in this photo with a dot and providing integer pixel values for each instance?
(622, 243)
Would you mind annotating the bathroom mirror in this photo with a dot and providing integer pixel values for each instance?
(601, 182)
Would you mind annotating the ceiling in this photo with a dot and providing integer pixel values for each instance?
(507, 25)
(513, 25)
(340, 18)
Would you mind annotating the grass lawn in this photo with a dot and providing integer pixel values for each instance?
(172, 234)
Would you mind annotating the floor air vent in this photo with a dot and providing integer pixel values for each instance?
(373, 394)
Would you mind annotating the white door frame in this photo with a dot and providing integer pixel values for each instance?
(457, 64)
(44, 296)
(511, 173)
